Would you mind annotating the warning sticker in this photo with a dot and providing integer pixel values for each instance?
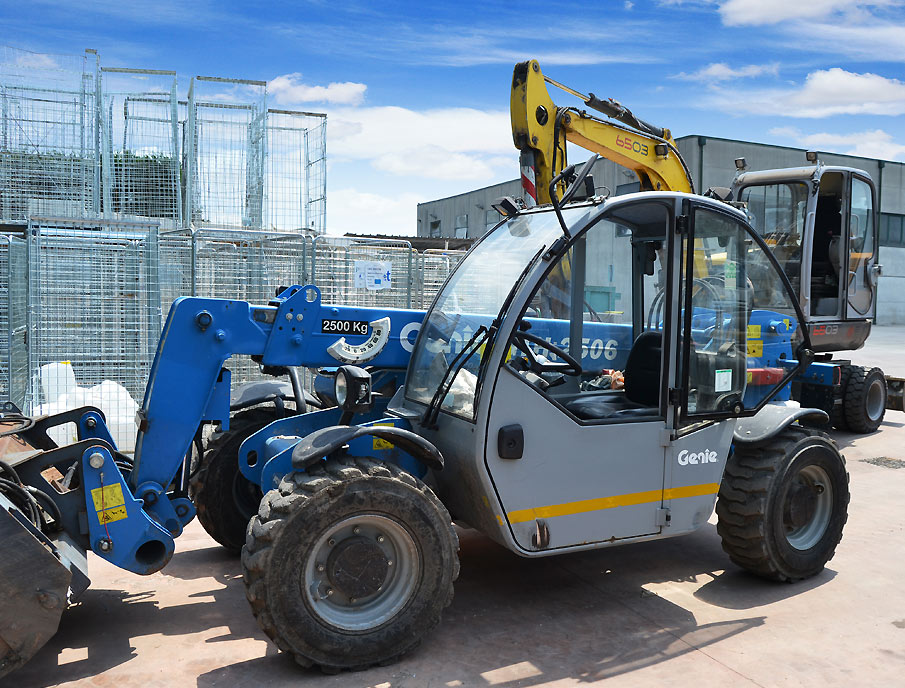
(753, 331)
(722, 380)
(756, 347)
(109, 503)
(380, 443)
(117, 513)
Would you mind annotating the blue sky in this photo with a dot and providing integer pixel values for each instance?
(417, 94)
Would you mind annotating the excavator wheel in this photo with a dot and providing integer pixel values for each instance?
(350, 565)
(224, 498)
(864, 399)
(783, 504)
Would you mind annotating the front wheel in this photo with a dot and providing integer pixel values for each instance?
(350, 564)
(783, 504)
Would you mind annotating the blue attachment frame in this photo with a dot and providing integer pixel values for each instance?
(119, 529)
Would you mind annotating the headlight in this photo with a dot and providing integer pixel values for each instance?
(340, 389)
(352, 389)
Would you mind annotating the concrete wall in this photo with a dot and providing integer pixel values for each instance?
(891, 291)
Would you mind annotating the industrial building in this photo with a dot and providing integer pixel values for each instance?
(712, 163)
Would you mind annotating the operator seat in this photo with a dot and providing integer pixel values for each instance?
(642, 385)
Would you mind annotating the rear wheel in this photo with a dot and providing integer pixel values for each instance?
(864, 400)
(350, 564)
(224, 498)
(783, 504)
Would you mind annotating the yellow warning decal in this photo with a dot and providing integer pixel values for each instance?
(117, 513)
(109, 503)
(753, 331)
(756, 347)
(380, 443)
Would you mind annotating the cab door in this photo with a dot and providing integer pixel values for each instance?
(578, 459)
(862, 254)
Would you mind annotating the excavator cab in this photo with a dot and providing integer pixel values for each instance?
(820, 221)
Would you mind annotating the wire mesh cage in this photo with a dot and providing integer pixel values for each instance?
(435, 266)
(140, 160)
(365, 272)
(13, 348)
(247, 265)
(48, 129)
(225, 145)
(295, 184)
(93, 305)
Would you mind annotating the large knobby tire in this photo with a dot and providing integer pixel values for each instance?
(783, 503)
(864, 400)
(350, 564)
(224, 498)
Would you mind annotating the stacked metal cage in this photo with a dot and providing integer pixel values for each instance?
(118, 198)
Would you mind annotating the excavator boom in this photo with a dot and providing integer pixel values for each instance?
(540, 131)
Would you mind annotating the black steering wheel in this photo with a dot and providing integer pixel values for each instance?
(569, 367)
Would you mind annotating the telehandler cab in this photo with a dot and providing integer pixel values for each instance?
(509, 419)
(819, 220)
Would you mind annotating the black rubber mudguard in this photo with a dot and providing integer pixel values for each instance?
(770, 420)
(325, 441)
(33, 586)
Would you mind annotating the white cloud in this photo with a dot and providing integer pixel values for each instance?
(350, 210)
(461, 144)
(720, 71)
(762, 12)
(868, 144)
(873, 40)
(824, 93)
(288, 88)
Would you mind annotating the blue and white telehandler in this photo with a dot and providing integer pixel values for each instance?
(582, 380)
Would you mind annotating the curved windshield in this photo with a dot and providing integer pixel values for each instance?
(455, 331)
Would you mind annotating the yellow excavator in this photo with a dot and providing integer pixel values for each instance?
(540, 131)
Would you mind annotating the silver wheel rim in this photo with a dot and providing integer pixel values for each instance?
(876, 400)
(807, 535)
(399, 571)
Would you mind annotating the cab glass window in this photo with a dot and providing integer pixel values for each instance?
(602, 304)
(739, 329)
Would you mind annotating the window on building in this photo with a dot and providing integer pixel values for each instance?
(892, 229)
(491, 217)
(434, 228)
(461, 226)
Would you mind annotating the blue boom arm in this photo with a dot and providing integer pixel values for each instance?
(186, 385)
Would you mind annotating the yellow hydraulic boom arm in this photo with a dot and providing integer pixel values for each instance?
(540, 130)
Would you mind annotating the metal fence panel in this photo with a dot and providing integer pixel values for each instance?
(365, 272)
(435, 266)
(247, 265)
(13, 351)
(94, 301)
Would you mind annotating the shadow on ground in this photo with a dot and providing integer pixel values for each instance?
(585, 617)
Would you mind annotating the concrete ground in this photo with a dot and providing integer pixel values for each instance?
(674, 612)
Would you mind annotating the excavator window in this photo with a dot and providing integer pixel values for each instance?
(778, 212)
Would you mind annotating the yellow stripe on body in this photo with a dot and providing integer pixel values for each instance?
(600, 503)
